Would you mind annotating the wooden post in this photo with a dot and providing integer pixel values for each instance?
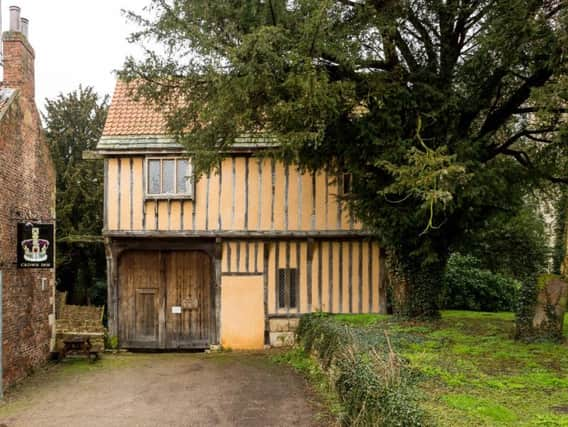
(383, 281)
(217, 288)
(112, 302)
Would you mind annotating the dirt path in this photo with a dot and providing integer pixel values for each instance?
(226, 389)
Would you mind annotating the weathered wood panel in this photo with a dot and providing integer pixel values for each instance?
(188, 279)
(151, 284)
(139, 302)
(146, 314)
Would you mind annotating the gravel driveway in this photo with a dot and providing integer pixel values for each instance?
(224, 389)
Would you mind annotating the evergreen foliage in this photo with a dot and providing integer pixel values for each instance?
(74, 123)
(467, 286)
(513, 243)
(444, 112)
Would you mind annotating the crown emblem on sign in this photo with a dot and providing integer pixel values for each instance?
(35, 249)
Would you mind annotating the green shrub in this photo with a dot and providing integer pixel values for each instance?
(111, 342)
(374, 385)
(467, 286)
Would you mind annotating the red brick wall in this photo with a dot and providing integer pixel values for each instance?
(27, 191)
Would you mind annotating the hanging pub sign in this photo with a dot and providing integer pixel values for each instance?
(35, 245)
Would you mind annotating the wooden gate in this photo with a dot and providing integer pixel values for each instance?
(164, 299)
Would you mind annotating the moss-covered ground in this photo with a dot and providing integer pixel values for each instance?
(472, 373)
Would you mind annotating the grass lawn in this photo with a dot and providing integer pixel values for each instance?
(473, 374)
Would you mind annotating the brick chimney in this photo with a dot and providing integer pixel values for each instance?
(18, 56)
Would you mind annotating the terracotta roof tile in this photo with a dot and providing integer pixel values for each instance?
(127, 116)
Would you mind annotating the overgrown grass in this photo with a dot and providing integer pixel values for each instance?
(372, 384)
(474, 374)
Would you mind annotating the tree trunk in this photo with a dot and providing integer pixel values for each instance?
(543, 305)
(416, 286)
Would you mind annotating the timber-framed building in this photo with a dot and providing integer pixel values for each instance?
(233, 258)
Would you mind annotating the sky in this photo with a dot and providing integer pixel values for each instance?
(76, 42)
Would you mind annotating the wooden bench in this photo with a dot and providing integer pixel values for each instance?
(79, 330)
(79, 344)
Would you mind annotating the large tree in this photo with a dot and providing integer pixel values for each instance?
(443, 111)
(74, 124)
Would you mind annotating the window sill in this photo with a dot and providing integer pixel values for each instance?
(148, 197)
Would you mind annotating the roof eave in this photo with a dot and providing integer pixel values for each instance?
(110, 145)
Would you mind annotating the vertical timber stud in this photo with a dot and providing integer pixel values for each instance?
(310, 253)
(113, 291)
(144, 169)
(273, 192)
(234, 191)
(131, 194)
(247, 196)
(382, 282)
(351, 276)
(339, 181)
(313, 219)
(370, 273)
(110, 307)
(247, 257)
(238, 244)
(266, 252)
(287, 286)
(217, 287)
(229, 260)
(326, 200)
(286, 190)
(260, 190)
(300, 200)
(169, 214)
(330, 277)
(360, 277)
(256, 256)
(207, 201)
(276, 285)
(219, 219)
(119, 177)
(162, 316)
(320, 287)
(156, 210)
(105, 200)
(341, 277)
(298, 275)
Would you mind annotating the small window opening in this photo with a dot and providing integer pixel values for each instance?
(347, 182)
(287, 288)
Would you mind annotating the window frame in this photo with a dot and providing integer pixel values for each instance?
(188, 195)
(346, 178)
(290, 274)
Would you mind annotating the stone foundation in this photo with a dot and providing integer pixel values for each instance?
(283, 332)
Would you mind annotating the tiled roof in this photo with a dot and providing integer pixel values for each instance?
(129, 117)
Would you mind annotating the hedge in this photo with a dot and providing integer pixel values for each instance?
(374, 385)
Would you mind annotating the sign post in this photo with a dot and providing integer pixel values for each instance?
(35, 245)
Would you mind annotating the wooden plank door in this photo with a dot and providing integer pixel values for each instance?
(140, 299)
(188, 289)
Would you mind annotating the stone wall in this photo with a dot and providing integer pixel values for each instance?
(76, 320)
(27, 193)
